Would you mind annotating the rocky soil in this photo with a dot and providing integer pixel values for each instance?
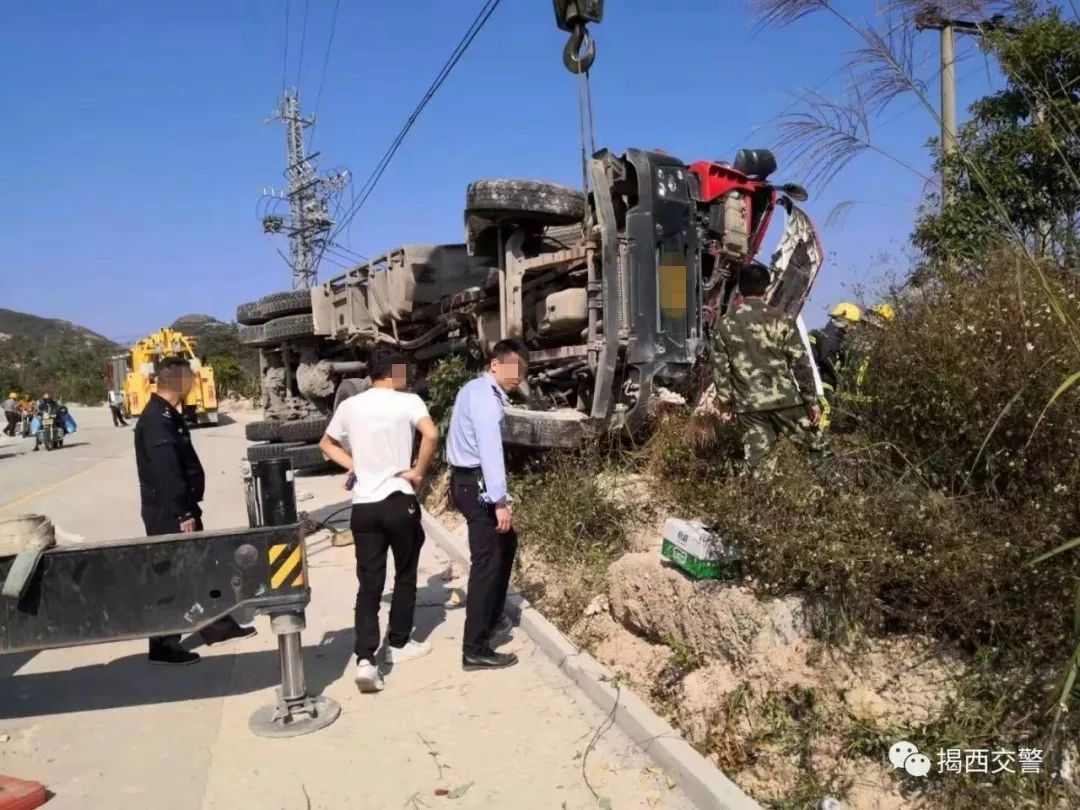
(744, 677)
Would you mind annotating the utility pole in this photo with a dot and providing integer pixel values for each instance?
(948, 108)
(308, 224)
(933, 19)
(1042, 228)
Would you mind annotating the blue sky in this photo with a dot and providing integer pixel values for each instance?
(134, 150)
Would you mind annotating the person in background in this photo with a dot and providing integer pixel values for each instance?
(874, 322)
(45, 405)
(28, 407)
(116, 406)
(831, 345)
(763, 373)
(378, 425)
(478, 489)
(171, 487)
(11, 413)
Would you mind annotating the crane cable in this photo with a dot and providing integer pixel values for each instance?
(455, 56)
(578, 57)
(586, 130)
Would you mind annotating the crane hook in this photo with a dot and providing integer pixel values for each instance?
(580, 51)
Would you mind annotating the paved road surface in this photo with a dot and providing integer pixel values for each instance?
(104, 729)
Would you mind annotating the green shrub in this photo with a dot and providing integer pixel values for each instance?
(927, 515)
(444, 382)
(959, 384)
(232, 378)
(567, 518)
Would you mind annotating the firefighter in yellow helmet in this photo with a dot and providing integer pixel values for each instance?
(830, 345)
(880, 316)
(877, 319)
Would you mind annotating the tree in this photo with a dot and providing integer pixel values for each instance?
(1015, 176)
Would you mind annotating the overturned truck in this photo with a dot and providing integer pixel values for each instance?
(613, 292)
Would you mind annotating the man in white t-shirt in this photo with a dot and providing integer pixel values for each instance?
(116, 406)
(379, 426)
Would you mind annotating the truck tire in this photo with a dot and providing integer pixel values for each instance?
(249, 314)
(265, 452)
(291, 327)
(300, 430)
(307, 458)
(278, 305)
(274, 305)
(349, 388)
(250, 335)
(547, 203)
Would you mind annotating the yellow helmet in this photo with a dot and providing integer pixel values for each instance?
(12, 395)
(885, 310)
(846, 311)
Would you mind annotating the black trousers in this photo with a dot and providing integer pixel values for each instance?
(117, 415)
(391, 524)
(158, 521)
(491, 556)
(13, 420)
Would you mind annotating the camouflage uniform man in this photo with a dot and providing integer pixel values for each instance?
(763, 374)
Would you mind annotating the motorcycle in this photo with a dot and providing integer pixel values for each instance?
(50, 434)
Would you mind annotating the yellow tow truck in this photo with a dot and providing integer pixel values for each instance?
(135, 375)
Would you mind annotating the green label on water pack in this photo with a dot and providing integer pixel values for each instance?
(695, 566)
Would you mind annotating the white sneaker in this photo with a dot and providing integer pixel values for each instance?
(368, 677)
(412, 649)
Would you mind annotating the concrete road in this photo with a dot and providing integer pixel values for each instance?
(102, 728)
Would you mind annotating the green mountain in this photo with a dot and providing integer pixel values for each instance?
(49, 335)
(199, 325)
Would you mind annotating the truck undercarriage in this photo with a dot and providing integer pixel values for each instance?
(613, 293)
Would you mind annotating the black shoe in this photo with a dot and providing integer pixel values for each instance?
(210, 638)
(174, 656)
(488, 659)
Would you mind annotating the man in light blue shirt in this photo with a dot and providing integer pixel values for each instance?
(478, 489)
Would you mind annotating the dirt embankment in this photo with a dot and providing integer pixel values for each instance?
(788, 716)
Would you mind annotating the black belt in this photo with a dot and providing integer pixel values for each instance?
(465, 472)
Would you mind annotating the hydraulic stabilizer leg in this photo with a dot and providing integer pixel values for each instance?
(295, 712)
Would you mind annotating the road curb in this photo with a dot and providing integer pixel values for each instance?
(703, 784)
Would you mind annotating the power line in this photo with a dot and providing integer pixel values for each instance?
(455, 56)
(303, 37)
(325, 65)
(285, 61)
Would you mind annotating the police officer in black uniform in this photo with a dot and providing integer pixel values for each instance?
(171, 483)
